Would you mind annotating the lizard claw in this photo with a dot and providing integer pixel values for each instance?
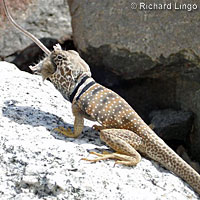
(67, 132)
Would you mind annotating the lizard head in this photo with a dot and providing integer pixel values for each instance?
(64, 68)
(61, 64)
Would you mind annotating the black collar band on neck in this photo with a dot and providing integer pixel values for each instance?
(71, 97)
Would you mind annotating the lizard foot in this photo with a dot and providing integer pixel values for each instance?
(120, 158)
(101, 156)
(67, 132)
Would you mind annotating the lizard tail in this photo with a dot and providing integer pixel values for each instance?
(32, 37)
(169, 159)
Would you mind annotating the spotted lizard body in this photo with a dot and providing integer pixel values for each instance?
(121, 127)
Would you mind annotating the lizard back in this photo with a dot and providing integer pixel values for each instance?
(109, 109)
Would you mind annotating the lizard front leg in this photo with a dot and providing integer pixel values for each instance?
(78, 124)
(124, 142)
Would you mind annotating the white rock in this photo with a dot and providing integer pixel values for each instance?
(38, 163)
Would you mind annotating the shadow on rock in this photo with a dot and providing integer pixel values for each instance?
(31, 116)
(36, 117)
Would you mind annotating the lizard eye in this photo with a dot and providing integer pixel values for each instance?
(59, 57)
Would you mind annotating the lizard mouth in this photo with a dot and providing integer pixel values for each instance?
(35, 69)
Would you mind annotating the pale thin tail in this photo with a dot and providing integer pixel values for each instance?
(32, 37)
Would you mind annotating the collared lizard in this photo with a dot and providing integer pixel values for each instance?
(121, 127)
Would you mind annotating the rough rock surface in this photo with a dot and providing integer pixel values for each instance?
(113, 34)
(38, 163)
(42, 19)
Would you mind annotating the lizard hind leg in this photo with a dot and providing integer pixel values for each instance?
(118, 139)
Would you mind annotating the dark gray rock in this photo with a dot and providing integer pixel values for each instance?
(129, 42)
(171, 124)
